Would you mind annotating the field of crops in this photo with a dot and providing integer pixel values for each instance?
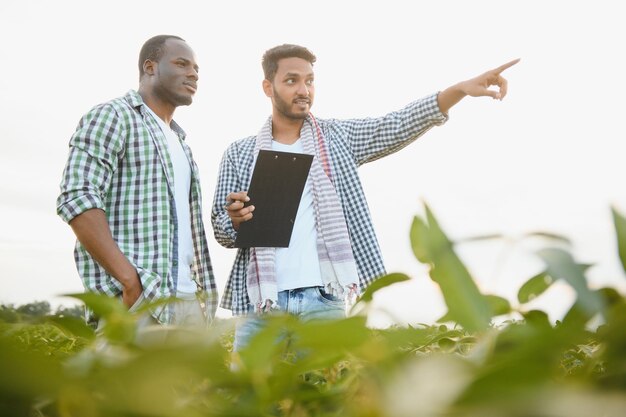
(465, 365)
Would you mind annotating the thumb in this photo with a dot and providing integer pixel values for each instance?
(493, 94)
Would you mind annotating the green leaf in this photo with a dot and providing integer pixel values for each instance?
(561, 265)
(321, 343)
(400, 338)
(347, 334)
(577, 315)
(534, 287)
(498, 305)
(265, 346)
(447, 344)
(380, 283)
(466, 305)
(148, 306)
(620, 231)
(420, 241)
(119, 323)
(610, 296)
(537, 318)
(102, 305)
(27, 374)
(73, 326)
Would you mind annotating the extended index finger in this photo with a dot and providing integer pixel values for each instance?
(507, 65)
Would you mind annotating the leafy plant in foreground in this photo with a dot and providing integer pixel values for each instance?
(466, 367)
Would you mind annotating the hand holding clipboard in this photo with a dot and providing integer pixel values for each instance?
(275, 191)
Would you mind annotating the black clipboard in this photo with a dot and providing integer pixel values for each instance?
(275, 190)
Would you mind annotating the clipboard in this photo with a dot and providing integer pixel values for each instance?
(275, 190)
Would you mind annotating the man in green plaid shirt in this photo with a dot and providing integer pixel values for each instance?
(131, 193)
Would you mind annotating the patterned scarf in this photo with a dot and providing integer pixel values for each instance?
(337, 265)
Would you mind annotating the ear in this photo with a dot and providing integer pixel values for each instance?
(267, 88)
(149, 67)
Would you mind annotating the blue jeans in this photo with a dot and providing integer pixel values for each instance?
(309, 303)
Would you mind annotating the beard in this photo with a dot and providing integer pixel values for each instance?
(284, 108)
(167, 94)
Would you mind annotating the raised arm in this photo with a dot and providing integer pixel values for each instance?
(373, 138)
(476, 87)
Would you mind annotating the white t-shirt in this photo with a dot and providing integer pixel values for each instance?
(182, 187)
(298, 265)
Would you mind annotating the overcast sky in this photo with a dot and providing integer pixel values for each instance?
(549, 157)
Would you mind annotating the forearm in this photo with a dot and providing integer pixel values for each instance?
(449, 97)
(93, 232)
(227, 182)
(224, 231)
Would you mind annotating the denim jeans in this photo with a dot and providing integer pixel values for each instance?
(309, 303)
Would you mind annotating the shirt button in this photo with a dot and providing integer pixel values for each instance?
(175, 263)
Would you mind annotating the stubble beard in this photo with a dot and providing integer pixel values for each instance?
(284, 108)
(167, 95)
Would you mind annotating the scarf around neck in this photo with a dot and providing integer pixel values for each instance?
(337, 264)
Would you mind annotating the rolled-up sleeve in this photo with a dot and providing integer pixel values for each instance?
(227, 183)
(95, 149)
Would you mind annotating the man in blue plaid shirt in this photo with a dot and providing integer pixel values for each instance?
(131, 193)
(333, 252)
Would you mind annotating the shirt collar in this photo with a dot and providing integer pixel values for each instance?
(136, 102)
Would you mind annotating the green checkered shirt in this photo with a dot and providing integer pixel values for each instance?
(119, 162)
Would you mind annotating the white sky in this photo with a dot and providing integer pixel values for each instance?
(549, 157)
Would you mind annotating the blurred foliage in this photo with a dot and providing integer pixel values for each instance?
(467, 365)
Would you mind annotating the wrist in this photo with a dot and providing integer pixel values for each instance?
(460, 90)
(130, 280)
(451, 96)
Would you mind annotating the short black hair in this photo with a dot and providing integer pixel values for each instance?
(272, 56)
(153, 49)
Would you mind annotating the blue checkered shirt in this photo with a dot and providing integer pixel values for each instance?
(119, 162)
(351, 143)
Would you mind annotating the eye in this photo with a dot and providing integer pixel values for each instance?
(309, 82)
(289, 81)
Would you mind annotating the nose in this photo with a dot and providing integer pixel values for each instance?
(193, 74)
(303, 89)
